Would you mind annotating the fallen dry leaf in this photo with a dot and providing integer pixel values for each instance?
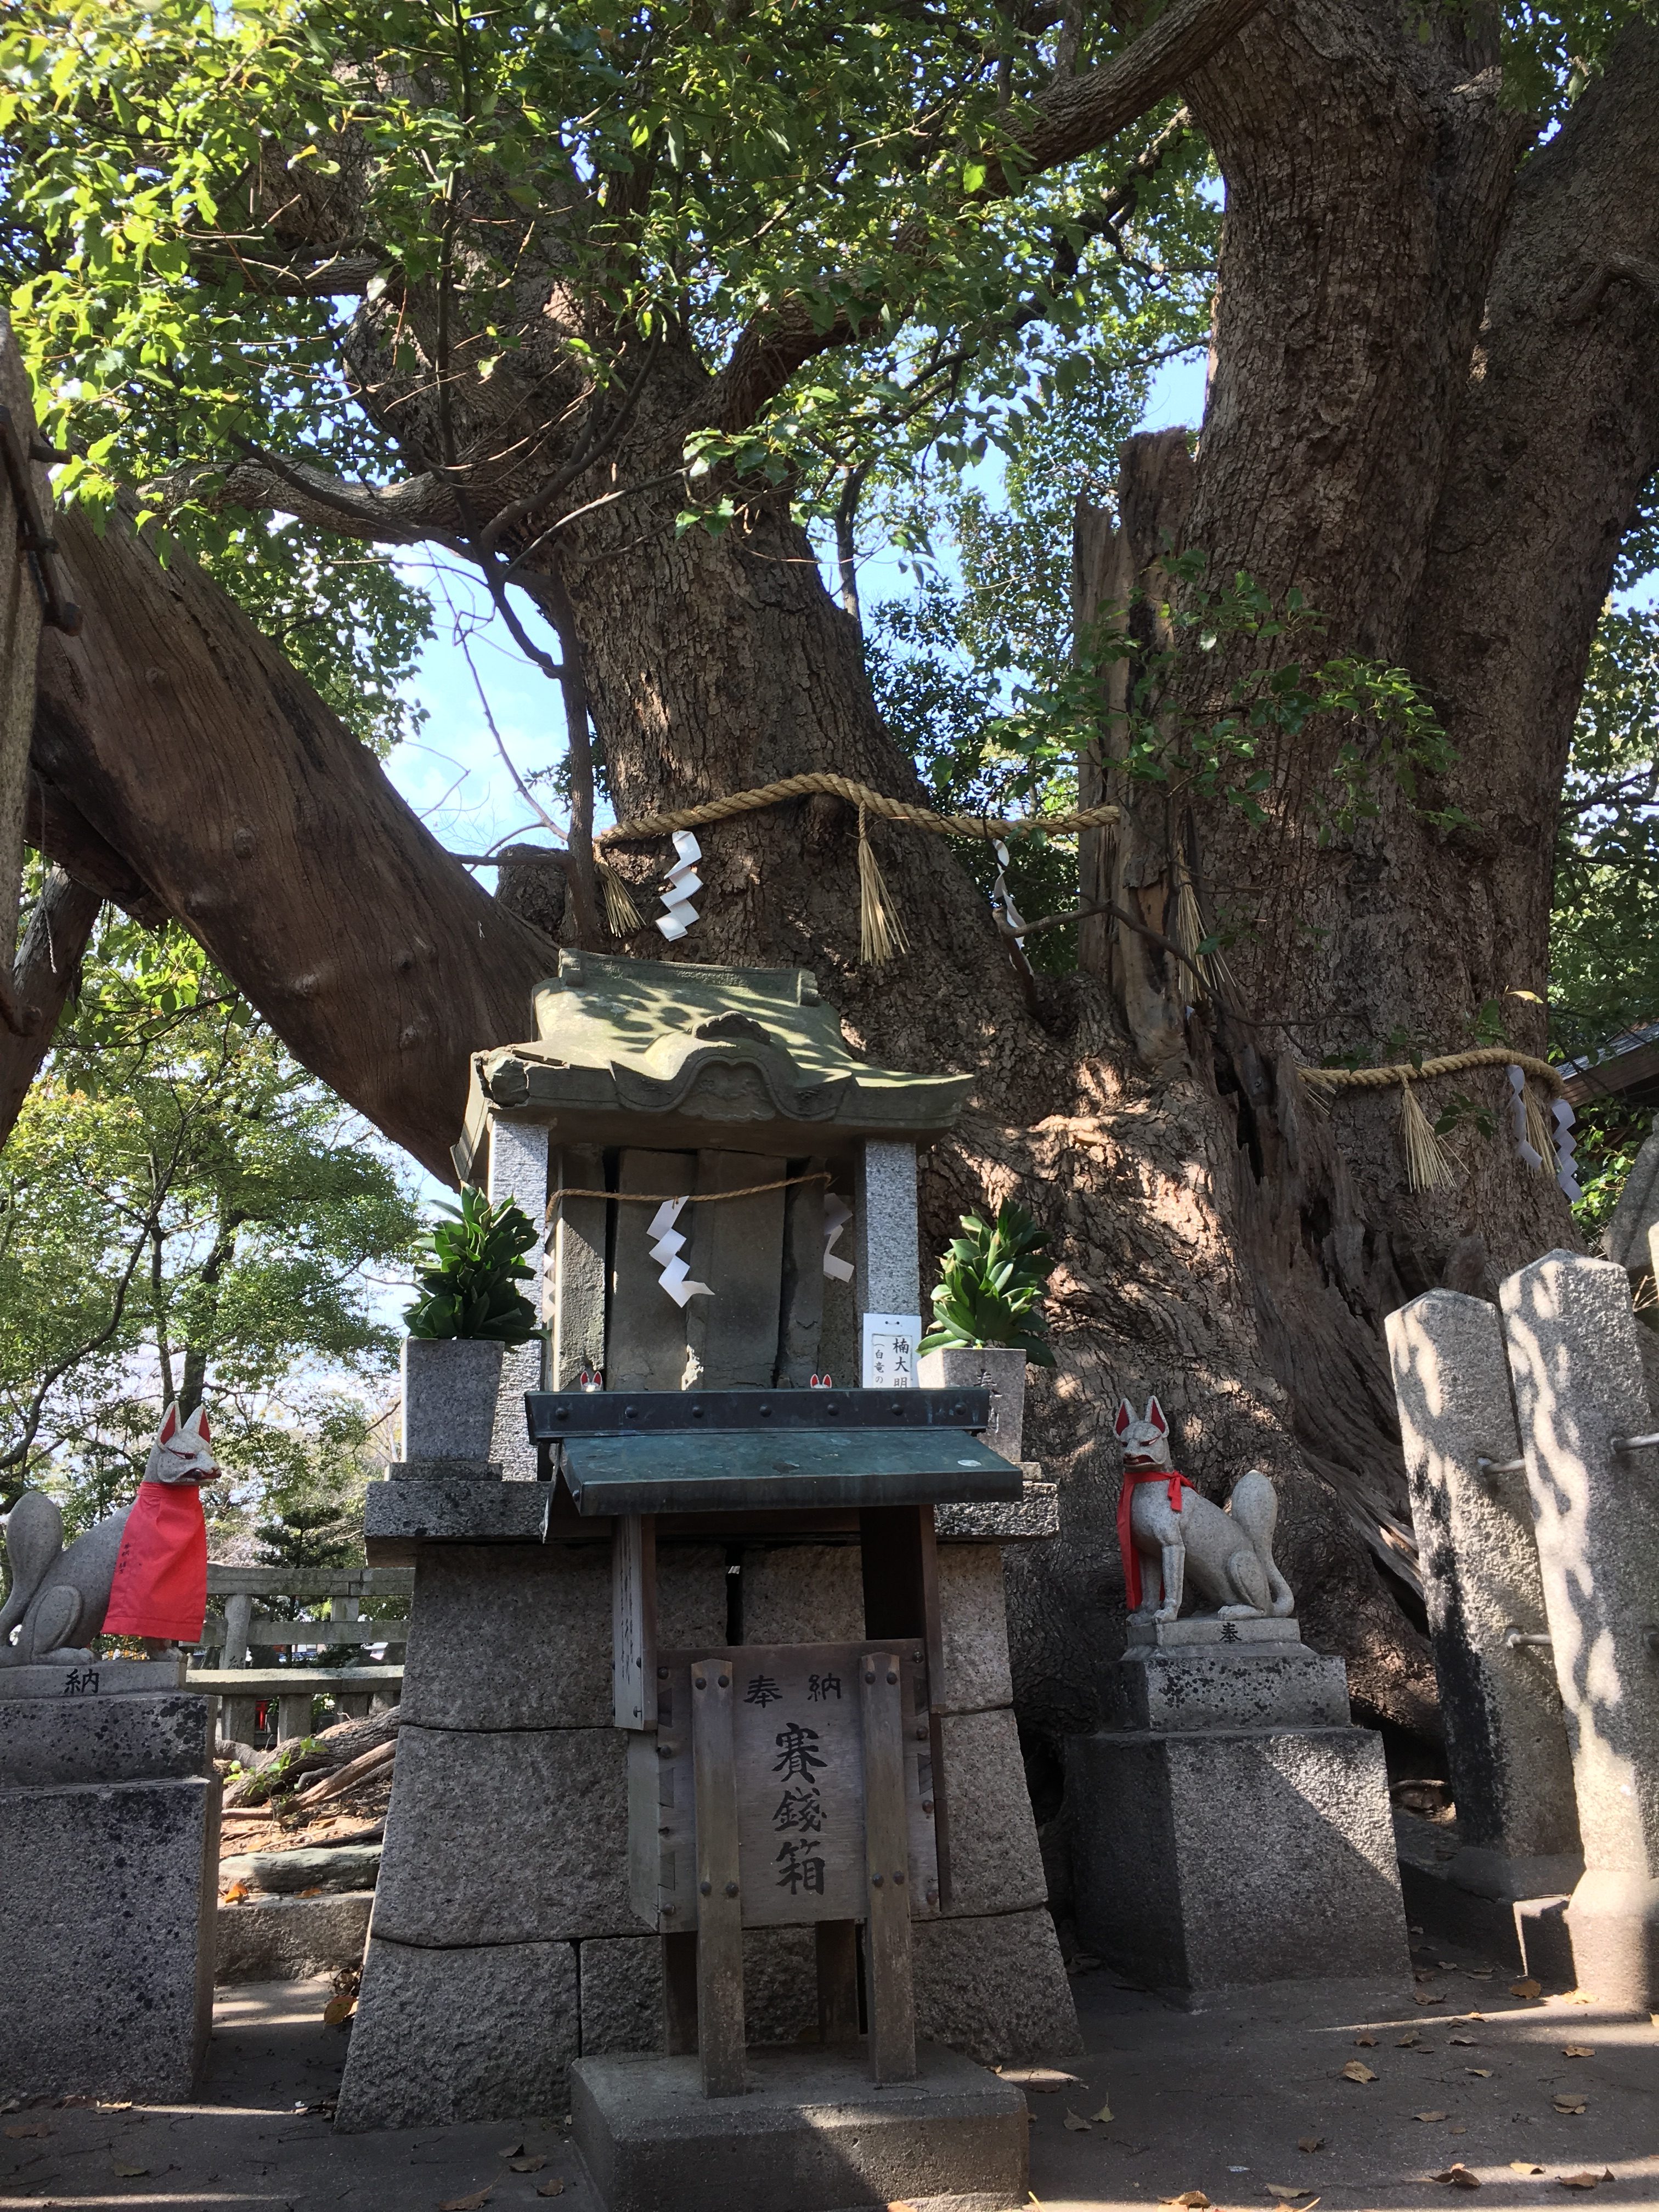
(1467, 2042)
(1578, 2050)
(1190, 2200)
(1482, 2073)
(1076, 2122)
(1287, 2192)
(1525, 2165)
(1584, 2180)
(1104, 2113)
(556, 2188)
(512, 2150)
(125, 2105)
(1526, 1988)
(1405, 2042)
(316, 1890)
(1568, 2104)
(471, 2203)
(128, 2172)
(1458, 2130)
(1428, 2116)
(900, 2204)
(1366, 2041)
(1480, 1973)
(1420, 1996)
(1311, 2142)
(1422, 1973)
(1459, 2177)
(526, 2164)
(1356, 2070)
(338, 2010)
(32, 2128)
(234, 1894)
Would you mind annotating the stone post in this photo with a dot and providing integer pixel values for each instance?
(886, 1278)
(1506, 1742)
(1580, 1394)
(518, 1170)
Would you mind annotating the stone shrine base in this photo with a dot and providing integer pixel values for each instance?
(1233, 1830)
(109, 1832)
(813, 2132)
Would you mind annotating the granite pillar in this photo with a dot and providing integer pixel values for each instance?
(517, 1172)
(1506, 1740)
(1580, 1395)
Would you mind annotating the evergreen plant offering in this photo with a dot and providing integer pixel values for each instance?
(474, 1261)
(991, 1290)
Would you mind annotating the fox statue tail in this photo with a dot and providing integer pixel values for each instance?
(35, 1538)
(1255, 1505)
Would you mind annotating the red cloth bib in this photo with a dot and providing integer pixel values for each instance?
(1125, 1542)
(160, 1587)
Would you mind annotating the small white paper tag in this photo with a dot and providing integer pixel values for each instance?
(890, 1350)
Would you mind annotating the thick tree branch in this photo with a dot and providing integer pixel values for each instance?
(48, 962)
(197, 754)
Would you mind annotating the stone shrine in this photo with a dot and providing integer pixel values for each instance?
(109, 1835)
(675, 1546)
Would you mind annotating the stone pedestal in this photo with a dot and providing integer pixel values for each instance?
(1506, 1740)
(1235, 1828)
(109, 1833)
(1580, 1394)
(813, 2133)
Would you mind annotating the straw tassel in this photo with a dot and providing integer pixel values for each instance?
(1209, 972)
(881, 935)
(1539, 1137)
(1430, 1165)
(622, 916)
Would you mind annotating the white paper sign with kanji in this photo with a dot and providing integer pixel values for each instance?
(890, 1350)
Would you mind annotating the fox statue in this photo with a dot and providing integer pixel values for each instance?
(140, 1572)
(1229, 1552)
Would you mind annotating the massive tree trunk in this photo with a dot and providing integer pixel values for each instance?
(1435, 400)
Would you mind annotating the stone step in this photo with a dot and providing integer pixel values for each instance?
(313, 1866)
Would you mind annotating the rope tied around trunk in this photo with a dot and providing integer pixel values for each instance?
(1431, 1163)
(821, 783)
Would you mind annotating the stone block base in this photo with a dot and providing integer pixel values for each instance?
(1227, 1857)
(106, 1931)
(1614, 1922)
(813, 2133)
(485, 2033)
(289, 1939)
(995, 1987)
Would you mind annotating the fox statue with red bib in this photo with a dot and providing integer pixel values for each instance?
(140, 1572)
(1164, 1525)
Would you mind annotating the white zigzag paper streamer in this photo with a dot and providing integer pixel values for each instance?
(836, 1215)
(1529, 1157)
(1003, 896)
(1566, 1166)
(666, 1251)
(683, 883)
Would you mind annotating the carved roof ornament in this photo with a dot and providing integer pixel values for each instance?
(709, 1057)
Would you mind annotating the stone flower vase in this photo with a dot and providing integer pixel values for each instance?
(998, 1368)
(451, 1384)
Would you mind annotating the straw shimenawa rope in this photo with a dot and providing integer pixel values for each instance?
(820, 783)
(1451, 1063)
(1431, 1163)
(687, 1198)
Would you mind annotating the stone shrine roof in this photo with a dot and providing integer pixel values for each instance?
(664, 1053)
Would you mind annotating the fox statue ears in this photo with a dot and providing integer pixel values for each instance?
(1154, 1416)
(196, 1425)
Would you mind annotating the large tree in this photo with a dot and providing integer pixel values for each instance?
(484, 282)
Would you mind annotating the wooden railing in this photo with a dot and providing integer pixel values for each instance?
(233, 1635)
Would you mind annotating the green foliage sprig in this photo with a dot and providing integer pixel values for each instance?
(991, 1290)
(467, 1289)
